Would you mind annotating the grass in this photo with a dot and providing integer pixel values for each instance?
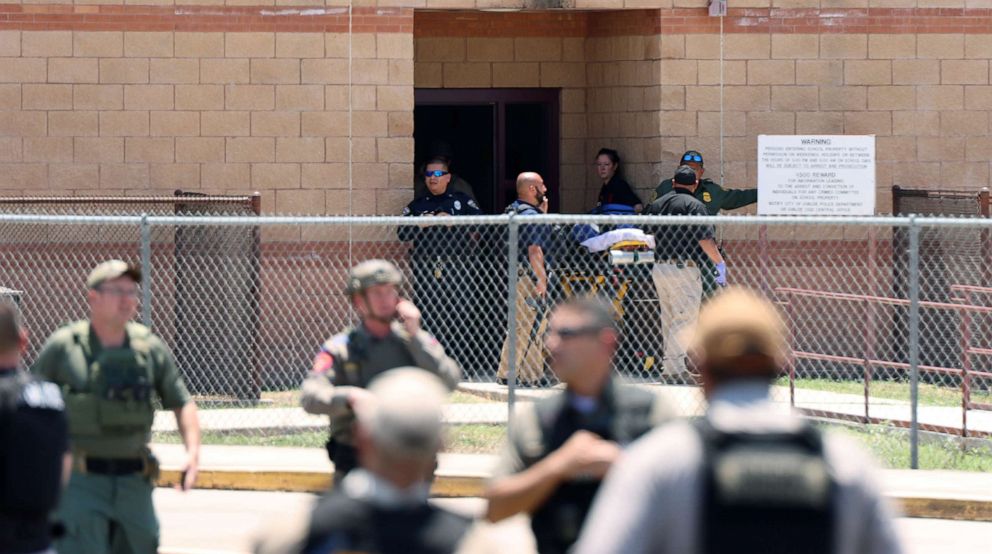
(891, 447)
(932, 395)
(462, 439)
(291, 399)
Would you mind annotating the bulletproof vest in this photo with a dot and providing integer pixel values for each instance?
(33, 440)
(621, 418)
(117, 398)
(368, 358)
(765, 492)
(344, 524)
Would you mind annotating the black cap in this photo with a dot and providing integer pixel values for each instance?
(691, 156)
(685, 175)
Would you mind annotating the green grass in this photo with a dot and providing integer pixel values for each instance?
(291, 399)
(462, 439)
(932, 395)
(891, 447)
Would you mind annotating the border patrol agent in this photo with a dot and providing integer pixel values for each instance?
(711, 194)
(110, 370)
(441, 259)
(748, 477)
(683, 254)
(34, 447)
(561, 447)
(348, 361)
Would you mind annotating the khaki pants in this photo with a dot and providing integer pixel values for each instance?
(679, 291)
(529, 356)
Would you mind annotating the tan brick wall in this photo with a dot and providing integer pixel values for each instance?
(148, 112)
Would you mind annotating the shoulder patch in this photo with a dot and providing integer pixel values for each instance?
(323, 362)
(458, 204)
(406, 210)
(707, 197)
(473, 204)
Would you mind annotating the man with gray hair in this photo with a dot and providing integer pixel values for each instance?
(382, 506)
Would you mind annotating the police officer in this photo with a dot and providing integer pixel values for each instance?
(561, 447)
(441, 259)
(748, 477)
(441, 150)
(533, 284)
(682, 252)
(110, 370)
(388, 336)
(34, 446)
(711, 194)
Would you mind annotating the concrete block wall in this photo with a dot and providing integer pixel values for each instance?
(111, 100)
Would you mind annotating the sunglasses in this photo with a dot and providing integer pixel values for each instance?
(435, 173)
(692, 158)
(571, 332)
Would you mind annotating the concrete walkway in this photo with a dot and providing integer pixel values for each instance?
(929, 494)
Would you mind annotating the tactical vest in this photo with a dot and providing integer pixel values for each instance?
(344, 524)
(117, 396)
(765, 492)
(557, 523)
(33, 440)
(361, 367)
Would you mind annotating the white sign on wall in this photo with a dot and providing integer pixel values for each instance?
(816, 175)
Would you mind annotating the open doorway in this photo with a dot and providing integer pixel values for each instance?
(494, 134)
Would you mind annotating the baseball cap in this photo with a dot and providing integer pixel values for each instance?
(10, 327)
(404, 414)
(685, 175)
(735, 324)
(691, 156)
(110, 270)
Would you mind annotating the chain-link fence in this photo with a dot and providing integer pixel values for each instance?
(245, 303)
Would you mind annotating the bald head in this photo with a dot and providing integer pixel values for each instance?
(531, 188)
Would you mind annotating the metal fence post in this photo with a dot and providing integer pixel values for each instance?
(914, 341)
(511, 313)
(146, 271)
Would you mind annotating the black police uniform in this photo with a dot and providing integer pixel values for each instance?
(622, 415)
(34, 437)
(442, 259)
(341, 523)
(680, 243)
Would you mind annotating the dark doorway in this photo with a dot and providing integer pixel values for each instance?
(494, 134)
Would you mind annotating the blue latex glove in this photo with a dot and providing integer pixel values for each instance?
(721, 274)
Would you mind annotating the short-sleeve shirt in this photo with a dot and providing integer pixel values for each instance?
(439, 239)
(531, 235)
(66, 360)
(618, 191)
(680, 242)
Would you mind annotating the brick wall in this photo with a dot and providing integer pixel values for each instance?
(150, 101)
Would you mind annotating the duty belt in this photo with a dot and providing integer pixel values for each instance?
(111, 466)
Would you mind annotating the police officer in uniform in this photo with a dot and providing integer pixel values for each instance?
(110, 369)
(441, 150)
(561, 447)
(34, 447)
(441, 257)
(388, 336)
(748, 477)
(683, 254)
(711, 194)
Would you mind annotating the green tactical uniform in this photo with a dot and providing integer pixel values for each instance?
(108, 395)
(716, 199)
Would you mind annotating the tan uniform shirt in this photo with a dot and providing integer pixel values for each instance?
(651, 499)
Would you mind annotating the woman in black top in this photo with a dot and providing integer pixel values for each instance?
(615, 190)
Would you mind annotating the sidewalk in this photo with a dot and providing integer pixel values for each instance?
(924, 494)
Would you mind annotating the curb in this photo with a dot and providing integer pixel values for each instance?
(451, 485)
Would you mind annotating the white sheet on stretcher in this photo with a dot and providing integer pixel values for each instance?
(604, 241)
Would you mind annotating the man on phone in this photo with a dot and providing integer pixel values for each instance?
(388, 336)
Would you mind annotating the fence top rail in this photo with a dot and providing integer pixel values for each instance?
(75, 201)
(548, 219)
(881, 300)
(971, 288)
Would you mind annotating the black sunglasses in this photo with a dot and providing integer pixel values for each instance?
(692, 158)
(435, 173)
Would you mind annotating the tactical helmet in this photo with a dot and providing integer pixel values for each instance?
(372, 272)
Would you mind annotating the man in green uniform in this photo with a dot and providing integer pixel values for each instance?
(389, 336)
(110, 369)
(715, 197)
